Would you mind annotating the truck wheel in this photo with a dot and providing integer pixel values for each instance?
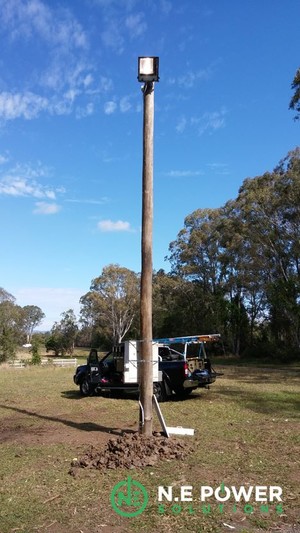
(183, 393)
(159, 391)
(85, 388)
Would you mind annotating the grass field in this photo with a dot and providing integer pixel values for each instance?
(246, 433)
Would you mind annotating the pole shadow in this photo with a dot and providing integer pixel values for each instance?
(81, 426)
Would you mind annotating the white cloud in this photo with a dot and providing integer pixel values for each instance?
(102, 201)
(112, 36)
(27, 105)
(109, 225)
(64, 81)
(190, 78)
(22, 180)
(166, 6)
(88, 110)
(136, 24)
(125, 105)
(219, 168)
(44, 208)
(68, 73)
(35, 18)
(106, 84)
(181, 125)
(127, 4)
(110, 107)
(88, 80)
(117, 27)
(20, 186)
(184, 173)
(3, 159)
(209, 121)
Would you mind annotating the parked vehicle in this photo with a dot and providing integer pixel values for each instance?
(175, 370)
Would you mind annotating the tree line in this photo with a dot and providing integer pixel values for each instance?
(16, 324)
(235, 270)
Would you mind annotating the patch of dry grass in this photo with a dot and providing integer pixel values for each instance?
(246, 432)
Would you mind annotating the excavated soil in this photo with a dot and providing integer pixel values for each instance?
(132, 451)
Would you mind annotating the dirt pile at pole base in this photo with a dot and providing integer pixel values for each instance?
(132, 451)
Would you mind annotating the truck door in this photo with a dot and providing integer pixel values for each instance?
(93, 366)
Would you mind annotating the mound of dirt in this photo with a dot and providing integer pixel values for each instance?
(132, 451)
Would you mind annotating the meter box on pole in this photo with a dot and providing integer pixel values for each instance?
(131, 357)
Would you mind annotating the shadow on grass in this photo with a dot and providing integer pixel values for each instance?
(282, 403)
(268, 379)
(117, 395)
(82, 426)
(72, 395)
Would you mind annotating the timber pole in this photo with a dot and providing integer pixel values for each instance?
(146, 365)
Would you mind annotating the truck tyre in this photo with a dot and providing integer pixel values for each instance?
(183, 393)
(159, 391)
(85, 388)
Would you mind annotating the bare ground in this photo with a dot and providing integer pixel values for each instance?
(104, 440)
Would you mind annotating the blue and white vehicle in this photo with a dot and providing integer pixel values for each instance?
(176, 368)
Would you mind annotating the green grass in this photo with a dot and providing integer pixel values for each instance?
(246, 432)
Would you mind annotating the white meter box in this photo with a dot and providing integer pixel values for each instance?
(132, 358)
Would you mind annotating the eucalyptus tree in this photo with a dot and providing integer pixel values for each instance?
(244, 259)
(196, 259)
(33, 316)
(112, 304)
(6, 296)
(63, 334)
(11, 325)
(295, 100)
(175, 306)
(269, 209)
(194, 255)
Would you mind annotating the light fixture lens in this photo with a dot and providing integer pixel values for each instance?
(148, 69)
(146, 66)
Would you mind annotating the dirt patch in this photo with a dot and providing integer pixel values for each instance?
(132, 451)
(30, 427)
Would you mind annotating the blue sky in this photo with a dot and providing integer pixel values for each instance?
(71, 127)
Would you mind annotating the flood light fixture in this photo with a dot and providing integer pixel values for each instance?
(148, 69)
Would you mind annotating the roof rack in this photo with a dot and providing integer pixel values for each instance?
(189, 339)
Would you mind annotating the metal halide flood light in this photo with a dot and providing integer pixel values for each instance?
(148, 69)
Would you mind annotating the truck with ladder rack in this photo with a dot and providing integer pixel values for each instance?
(180, 365)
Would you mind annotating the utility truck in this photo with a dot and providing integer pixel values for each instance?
(180, 365)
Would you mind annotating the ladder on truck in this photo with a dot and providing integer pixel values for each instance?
(189, 339)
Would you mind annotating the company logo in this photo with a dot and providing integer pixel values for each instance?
(222, 493)
(209, 498)
(129, 498)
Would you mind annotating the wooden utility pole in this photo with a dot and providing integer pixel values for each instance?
(146, 365)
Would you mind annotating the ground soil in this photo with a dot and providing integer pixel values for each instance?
(132, 451)
(117, 443)
(38, 426)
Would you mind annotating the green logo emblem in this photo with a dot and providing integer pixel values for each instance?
(129, 498)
